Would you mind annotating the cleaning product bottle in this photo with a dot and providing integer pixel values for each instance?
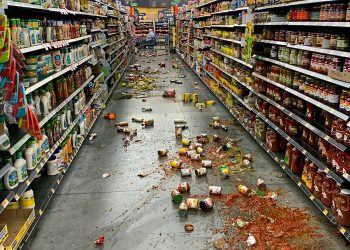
(59, 157)
(49, 98)
(11, 176)
(37, 103)
(57, 60)
(37, 150)
(45, 147)
(4, 137)
(67, 57)
(74, 137)
(27, 200)
(68, 115)
(21, 167)
(63, 120)
(30, 156)
(44, 102)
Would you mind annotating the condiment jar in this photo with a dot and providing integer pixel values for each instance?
(340, 131)
(318, 182)
(297, 162)
(336, 192)
(343, 207)
(342, 43)
(327, 190)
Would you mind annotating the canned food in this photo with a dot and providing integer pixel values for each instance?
(184, 187)
(215, 124)
(196, 145)
(147, 108)
(206, 204)
(178, 132)
(244, 190)
(120, 129)
(206, 163)
(199, 150)
(186, 142)
(186, 172)
(176, 196)
(176, 164)
(183, 209)
(194, 98)
(216, 138)
(186, 97)
(214, 190)
(195, 157)
(137, 119)
(190, 153)
(261, 185)
(147, 123)
(216, 118)
(183, 151)
(224, 171)
(163, 152)
(201, 171)
(192, 203)
(122, 124)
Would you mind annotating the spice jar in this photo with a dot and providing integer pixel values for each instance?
(308, 39)
(342, 43)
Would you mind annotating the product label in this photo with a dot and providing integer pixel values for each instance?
(38, 155)
(316, 188)
(57, 60)
(340, 214)
(27, 202)
(13, 178)
(45, 147)
(24, 172)
(33, 161)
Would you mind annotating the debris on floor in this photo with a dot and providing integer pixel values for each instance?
(189, 227)
(143, 173)
(100, 240)
(110, 116)
(105, 175)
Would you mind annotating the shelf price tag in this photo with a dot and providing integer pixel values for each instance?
(304, 151)
(17, 197)
(342, 230)
(40, 212)
(299, 184)
(312, 197)
(4, 203)
(52, 190)
(346, 176)
(326, 170)
(325, 211)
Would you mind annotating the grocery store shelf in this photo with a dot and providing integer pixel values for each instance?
(225, 12)
(199, 27)
(321, 105)
(110, 6)
(111, 34)
(223, 39)
(112, 25)
(208, 3)
(116, 57)
(233, 58)
(228, 26)
(296, 3)
(308, 23)
(54, 76)
(29, 6)
(304, 71)
(308, 48)
(199, 38)
(201, 17)
(95, 45)
(54, 45)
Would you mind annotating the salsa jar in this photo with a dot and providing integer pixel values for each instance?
(327, 190)
(318, 182)
(340, 131)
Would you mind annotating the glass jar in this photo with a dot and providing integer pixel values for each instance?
(301, 37)
(333, 42)
(342, 43)
(306, 60)
(308, 39)
(326, 41)
(319, 39)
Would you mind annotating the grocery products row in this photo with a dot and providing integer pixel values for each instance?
(60, 71)
(291, 82)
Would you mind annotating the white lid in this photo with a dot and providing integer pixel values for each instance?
(345, 191)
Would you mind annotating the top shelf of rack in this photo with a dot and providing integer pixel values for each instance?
(291, 4)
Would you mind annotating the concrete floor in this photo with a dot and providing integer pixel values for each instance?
(125, 208)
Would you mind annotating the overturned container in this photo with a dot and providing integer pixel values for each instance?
(148, 123)
(169, 93)
(122, 124)
(184, 187)
(163, 152)
(192, 203)
(186, 172)
(176, 164)
(137, 119)
(186, 97)
(176, 196)
(147, 109)
(215, 190)
(182, 151)
(183, 209)
(207, 163)
(206, 204)
(195, 157)
(178, 132)
(201, 171)
(186, 142)
(189, 153)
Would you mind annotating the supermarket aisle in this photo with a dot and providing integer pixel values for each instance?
(137, 213)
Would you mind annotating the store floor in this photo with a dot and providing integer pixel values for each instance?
(125, 208)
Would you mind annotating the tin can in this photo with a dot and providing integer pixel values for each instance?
(210, 102)
(178, 132)
(122, 124)
(176, 196)
(191, 147)
(176, 164)
(261, 185)
(224, 171)
(184, 187)
(186, 97)
(186, 142)
(147, 123)
(186, 172)
(183, 151)
(201, 171)
(179, 121)
(169, 93)
(163, 152)
(216, 138)
(206, 163)
(216, 118)
(190, 153)
(192, 203)
(196, 145)
(183, 209)
(194, 98)
(195, 157)
(137, 119)
(215, 125)
(199, 150)
(206, 204)
(120, 129)
(146, 109)
(214, 190)
(244, 190)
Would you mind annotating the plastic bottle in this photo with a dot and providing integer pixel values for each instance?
(14, 34)
(67, 57)
(11, 177)
(68, 116)
(82, 126)
(37, 103)
(63, 120)
(57, 60)
(21, 167)
(45, 147)
(48, 95)
(74, 137)
(25, 32)
(20, 37)
(59, 157)
(37, 150)
(30, 156)
(44, 102)
(27, 200)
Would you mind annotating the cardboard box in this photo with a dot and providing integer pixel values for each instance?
(341, 76)
(18, 222)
